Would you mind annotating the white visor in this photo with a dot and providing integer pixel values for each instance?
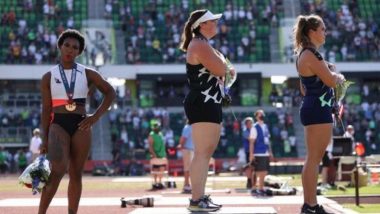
(206, 17)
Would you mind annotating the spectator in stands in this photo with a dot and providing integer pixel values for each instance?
(21, 160)
(158, 154)
(187, 148)
(317, 79)
(206, 68)
(259, 151)
(11, 17)
(35, 144)
(3, 160)
(66, 129)
(117, 162)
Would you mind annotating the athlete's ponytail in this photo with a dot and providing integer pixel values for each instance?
(301, 30)
(187, 33)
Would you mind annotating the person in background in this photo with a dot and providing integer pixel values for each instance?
(158, 154)
(248, 122)
(259, 151)
(35, 144)
(187, 148)
(350, 132)
(317, 80)
(327, 160)
(21, 159)
(3, 160)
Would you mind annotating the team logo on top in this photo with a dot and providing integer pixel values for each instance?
(325, 102)
(57, 80)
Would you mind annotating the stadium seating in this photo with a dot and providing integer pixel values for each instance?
(24, 23)
(352, 28)
(152, 28)
(166, 19)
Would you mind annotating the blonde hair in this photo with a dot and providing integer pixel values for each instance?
(301, 30)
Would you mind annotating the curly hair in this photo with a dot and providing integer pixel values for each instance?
(72, 33)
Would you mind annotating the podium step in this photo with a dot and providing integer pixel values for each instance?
(229, 210)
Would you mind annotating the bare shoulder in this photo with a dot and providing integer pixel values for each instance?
(45, 87)
(46, 77)
(198, 45)
(306, 56)
(199, 49)
(307, 62)
(91, 73)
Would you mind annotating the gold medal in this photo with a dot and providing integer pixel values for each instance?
(71, 106)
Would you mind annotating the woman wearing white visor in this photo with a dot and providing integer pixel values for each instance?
(205, 69)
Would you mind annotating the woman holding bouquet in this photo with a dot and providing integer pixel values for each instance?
(66, 129)
(205, 69)
(317, 80)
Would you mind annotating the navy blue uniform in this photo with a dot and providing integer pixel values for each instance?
(203, 102)
(317, 104)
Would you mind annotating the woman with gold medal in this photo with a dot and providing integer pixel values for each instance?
(66, 128)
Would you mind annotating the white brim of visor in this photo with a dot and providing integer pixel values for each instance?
(206, 17)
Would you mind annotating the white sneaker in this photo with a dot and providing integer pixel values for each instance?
(186, 189)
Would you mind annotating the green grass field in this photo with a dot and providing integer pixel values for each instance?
(364, 208)
(368, 190)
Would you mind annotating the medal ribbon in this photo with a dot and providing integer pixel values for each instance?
(69, 88)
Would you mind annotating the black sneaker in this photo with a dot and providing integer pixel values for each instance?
(160, 186)
(203, 205)
(261, 192)
(207, 198)
(317, 209)
(258, 192)
(155, 186)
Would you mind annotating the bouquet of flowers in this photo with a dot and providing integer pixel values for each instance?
(36, 174)
(228, 82)
(339, 92)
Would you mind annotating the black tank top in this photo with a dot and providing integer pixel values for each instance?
(313, 85)
(203, 83)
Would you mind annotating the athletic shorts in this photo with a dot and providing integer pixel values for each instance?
(311, 112)
(326, 160)
(261, 163)
(158, 162)
(198, 111)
